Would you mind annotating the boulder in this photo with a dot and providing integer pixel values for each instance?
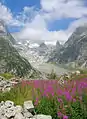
(2, 117)
(28, 105)
(19, 116)
(77, 72)
(9, 104)
(10, 112)
(18, 109)
(41, 116)
(27, 114)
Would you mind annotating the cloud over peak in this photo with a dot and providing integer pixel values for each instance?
(35, 21)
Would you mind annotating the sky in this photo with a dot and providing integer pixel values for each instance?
(43, 20)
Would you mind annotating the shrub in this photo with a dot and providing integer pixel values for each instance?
(47, 106)
(52, 75)
(7, 75)
(77, 111)
(18, 94)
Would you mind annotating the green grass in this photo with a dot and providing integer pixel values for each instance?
(17, 94)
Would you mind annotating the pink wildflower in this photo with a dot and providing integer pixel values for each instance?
(59, 114)
(74, 100)
(65, 117)
(36, 102)
(59, 100)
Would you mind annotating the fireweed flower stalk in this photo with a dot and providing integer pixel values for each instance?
(71, 91)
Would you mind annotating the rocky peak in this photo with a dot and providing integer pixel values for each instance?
(43, 45)
(58, 45)
(77, 35)
(5, 33)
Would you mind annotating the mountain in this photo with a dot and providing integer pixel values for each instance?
(54, 53)
(43, 45)
(5, 33)
(10, 60)
(42, 49)
(75, 49)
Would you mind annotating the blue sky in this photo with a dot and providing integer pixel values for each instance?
(46, 20)
(60, 24)
(18, 5)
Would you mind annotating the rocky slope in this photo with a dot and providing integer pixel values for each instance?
(10, 59)
(74, 50)
(6, 85)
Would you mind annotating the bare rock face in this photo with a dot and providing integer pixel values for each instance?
(42, 49)
(8, 110)
(75, 49)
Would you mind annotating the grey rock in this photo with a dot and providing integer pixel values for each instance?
(10, 112)
(27, 114)
(41, 116)
(9, 104)
(2, 117)
(7, 89)
(32, 118)
(19, 116)
(18, 109)
(2, 103)
(28, 105)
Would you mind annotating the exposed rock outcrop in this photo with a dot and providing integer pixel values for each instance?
(8, 110)
(6, 85)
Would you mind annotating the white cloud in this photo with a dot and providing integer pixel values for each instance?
(27, 14)
(75, 24)
(57, 9)
(37, 30)
(7, 16)
(5, 13)
(35, 22)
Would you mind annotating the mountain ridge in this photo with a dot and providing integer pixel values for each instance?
(74, 50)
(10, 59)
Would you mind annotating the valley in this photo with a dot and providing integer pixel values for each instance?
(39, 62)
